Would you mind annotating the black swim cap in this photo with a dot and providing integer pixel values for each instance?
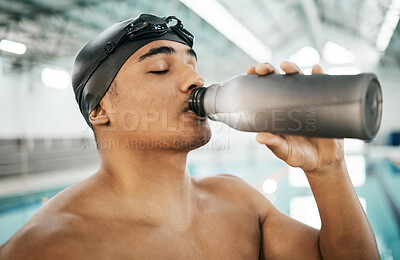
(99, 61)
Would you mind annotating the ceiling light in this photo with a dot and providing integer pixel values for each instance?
(222, 20)
(353, 146)
(337, 54)
(356, 168)
(269, 186)
(57, 79)
(297, 178)
(304, 209)
(13, 47)
(349, 70)
(305, 57)
(388, 26)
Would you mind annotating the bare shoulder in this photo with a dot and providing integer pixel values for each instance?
(224, 183)
(45, 239)
(54, 228)
(235, 189)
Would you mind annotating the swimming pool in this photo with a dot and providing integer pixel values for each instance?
(378, 191)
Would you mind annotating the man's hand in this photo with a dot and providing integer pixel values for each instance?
(310, 154)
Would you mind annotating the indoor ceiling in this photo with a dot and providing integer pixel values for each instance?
(57, 30)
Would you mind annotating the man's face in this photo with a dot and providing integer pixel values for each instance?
(148, 104)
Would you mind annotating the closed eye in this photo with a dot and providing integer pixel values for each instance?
(159, 72)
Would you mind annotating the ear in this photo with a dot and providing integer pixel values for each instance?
(99, 116)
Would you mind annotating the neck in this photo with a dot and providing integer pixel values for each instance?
(154, 180)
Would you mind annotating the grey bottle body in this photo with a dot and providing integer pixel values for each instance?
(346, 106)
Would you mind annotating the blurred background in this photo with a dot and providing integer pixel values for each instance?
(45, 144)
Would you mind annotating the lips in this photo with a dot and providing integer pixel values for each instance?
(190, 112)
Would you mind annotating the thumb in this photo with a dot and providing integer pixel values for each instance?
(277, 144)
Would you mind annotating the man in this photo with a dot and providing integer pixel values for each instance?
(132, 83)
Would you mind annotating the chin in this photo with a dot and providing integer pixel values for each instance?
(192, 140)
(202, 140)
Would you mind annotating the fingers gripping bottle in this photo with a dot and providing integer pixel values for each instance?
(345, 106)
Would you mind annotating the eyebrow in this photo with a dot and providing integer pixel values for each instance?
(192, 53)
(165, 50)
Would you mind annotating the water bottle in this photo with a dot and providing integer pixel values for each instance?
(320, 105)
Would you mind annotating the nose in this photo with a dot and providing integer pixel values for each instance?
(193, 81)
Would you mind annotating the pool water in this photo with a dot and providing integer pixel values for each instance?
(378, 192)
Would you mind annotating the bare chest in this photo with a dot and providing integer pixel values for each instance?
(224, 236)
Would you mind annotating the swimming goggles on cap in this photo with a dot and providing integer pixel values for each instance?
(147, 26)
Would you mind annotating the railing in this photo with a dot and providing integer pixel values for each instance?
(29, 156)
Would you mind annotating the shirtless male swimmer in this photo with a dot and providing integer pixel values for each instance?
(143, 204)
